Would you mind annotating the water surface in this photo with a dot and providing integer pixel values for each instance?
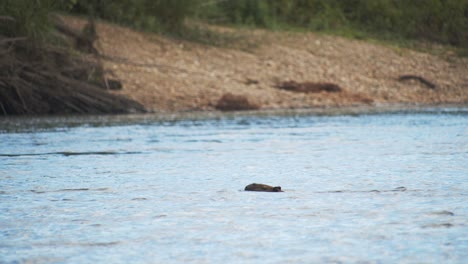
(379, 188)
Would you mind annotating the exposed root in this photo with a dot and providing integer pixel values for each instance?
(49, 81)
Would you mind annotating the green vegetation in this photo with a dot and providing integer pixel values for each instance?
(441, 21)
(153, 15)
(23, 18)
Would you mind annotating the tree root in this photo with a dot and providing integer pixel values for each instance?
(50, 81)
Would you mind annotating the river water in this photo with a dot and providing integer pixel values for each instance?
(361, 188)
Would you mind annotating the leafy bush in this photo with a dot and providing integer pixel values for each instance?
(444, 21)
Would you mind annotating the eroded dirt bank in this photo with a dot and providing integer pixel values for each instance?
(174, 75)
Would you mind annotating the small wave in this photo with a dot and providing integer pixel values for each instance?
(98, 244)
(139, 199)
(61, 200)
(398, 189)
(73, 190)
(69, 190)
(441, 225)
(71, 153)
(203, 141)
(444, 212)
(75, 244)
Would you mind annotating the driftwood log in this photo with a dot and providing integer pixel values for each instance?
(309, 87)
(422, 80)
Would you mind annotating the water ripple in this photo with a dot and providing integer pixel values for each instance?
(372, 188)
(71, 153)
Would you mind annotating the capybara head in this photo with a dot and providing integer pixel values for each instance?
(277, 189)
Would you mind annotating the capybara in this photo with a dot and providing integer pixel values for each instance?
(257, 187)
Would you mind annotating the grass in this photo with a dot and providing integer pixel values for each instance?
(389, 39)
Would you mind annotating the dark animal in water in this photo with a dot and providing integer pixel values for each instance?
(257, 187)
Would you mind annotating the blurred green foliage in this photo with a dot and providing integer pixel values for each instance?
(153, 15)
(443, 21)
(25, 18)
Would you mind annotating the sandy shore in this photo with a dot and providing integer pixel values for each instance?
(168, 75)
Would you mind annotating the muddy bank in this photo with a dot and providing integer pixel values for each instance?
(168, 75)
(258, 69)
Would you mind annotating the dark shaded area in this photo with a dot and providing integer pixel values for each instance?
(309, 87)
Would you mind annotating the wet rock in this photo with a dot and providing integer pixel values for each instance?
(257, 187)
(309, 87)
(231, 102)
